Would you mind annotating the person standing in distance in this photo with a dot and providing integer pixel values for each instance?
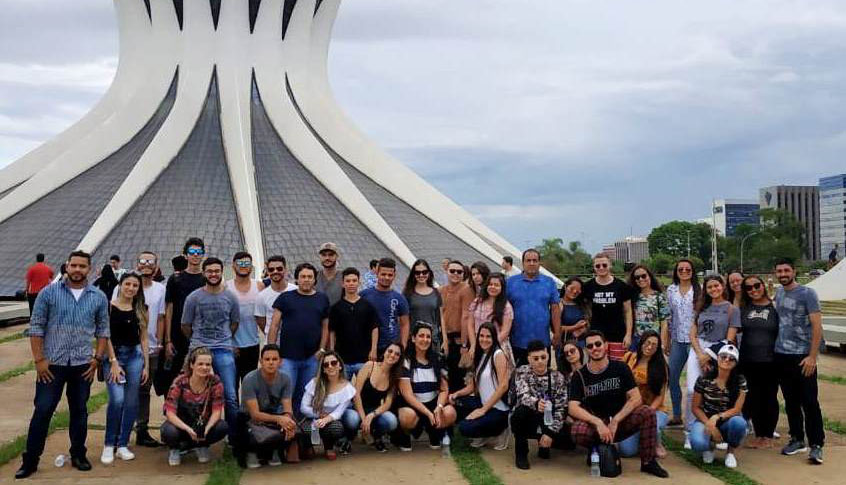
(391, 307)
(68, 315)
(611, 307)
(329, 278)
(796, 349)
(508, 266)
(535, 299)
(179, 286)
(38, 276)
(369, 279)
(209, 320)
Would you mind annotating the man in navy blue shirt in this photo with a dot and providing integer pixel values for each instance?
(390, 305)
(534, 298)
(66, 317)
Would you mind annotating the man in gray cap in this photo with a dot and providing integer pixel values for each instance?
(329, 278)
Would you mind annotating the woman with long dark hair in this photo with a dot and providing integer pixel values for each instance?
(717, 403)
(128, 365)
(681, 298)
(424, 301)
(651, 309)
(376, 388)
(575, 311)
(716, 320)
(325, 399)
(573, 358)
(734, 282)
(485, 415)
(650, 372)
(492, 306)
(759, 321)
(424, 391)
(479, 273)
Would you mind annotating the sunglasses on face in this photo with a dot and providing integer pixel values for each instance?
(275, 269)
(424, 272)
(684, 270)
(600, 265)
(641, 276)
(147, 262)
(392, 352)
(456, 271)
(754, 286)
(727, 358)
(243, 263)
(593, 345)
(195, 252)
(571, 352)
(330, 363)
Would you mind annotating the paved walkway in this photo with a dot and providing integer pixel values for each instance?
(14, 354)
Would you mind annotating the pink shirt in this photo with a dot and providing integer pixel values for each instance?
(482, 312)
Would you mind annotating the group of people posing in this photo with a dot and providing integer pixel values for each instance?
(278, 368)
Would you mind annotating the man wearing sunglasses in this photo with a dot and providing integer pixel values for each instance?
(277, 272)
(534, 298)
(456, 296)
(178, 288)
(246, 339)
(611, 306)
(796, 349)
(607, 407)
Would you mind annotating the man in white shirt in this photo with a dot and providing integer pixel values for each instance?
(276, 270)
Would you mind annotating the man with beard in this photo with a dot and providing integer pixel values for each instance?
(209, 320)
(179, 286)
(246, 339)
(277, 270)
(796, 349)
(329, 280)
(301, 326)
(607, 407)
(66, 317)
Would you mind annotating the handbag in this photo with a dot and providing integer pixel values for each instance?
(263, 434)
(610, 464)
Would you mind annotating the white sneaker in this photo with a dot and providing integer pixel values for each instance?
(776, 435)
(501, 442)
(478, 442)
(108, 456)
(722, 446)
(174, 457)
(687, 445)
(124, 454)
(731, 461)
(252, 461)
(274, 459)
(708, 457)
(203, 455)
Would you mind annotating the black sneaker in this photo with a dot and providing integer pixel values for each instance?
(345, 447)
(543, 453)
(653, 468)
(25, 471)
(522, 462)
(403, 442)
(816, 455)
(143, 438)
(793, 447)
(379, 446)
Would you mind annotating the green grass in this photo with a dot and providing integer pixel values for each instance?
(17, 371)
(14, 448)
(716, 470)
(832, 379)
(471, 464)
(12, 337)
(225, 471)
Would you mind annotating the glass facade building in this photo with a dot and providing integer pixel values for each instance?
(833, 214)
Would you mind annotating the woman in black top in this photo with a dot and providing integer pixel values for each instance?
(127, 367)
(759, 321)
(376, 386)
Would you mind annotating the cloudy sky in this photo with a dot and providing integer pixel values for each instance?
(579, 119)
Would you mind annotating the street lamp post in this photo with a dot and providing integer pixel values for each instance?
(742, 242)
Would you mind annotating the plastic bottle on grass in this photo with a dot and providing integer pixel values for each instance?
(594, 463)
(445, 442)
(60, 460)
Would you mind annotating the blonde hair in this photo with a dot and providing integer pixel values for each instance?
(321, 381)
(138, 302)
(192, 358)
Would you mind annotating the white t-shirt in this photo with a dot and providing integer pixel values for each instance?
(77, 293)
(264, 303)
(154, 297)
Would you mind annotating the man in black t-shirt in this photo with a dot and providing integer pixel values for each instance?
(606, 404)
(353, 325)
(611, 307)
(179, 286)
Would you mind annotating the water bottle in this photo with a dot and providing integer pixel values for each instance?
(547, 413)
(60, 460)
(315, 433)
(594, 463)
(445, 446)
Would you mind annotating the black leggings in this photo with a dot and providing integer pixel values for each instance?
(176, 438)
(524, 424)
(761, 405)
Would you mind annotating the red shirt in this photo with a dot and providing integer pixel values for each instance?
(38, 276)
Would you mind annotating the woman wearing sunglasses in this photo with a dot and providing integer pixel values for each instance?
(759, 320)
(424, 301)
(376, 387)
(717, 404)
(325, 399)
(650, 372)
(572, 358)
(681, 297)
(651, 309)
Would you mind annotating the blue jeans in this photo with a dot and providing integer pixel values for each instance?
(381, 425)
(678, 358)
(47, 397)
(352, 369)
(733, 431)
(123, 398)
(223, 363)
(629, 446)
(300, 372)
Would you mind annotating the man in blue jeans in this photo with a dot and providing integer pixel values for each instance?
(66, 317)
(209, 319)
(300, 326)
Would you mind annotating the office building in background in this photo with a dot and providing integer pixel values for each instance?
(803, 201)
(730, 213)
(832, 211)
